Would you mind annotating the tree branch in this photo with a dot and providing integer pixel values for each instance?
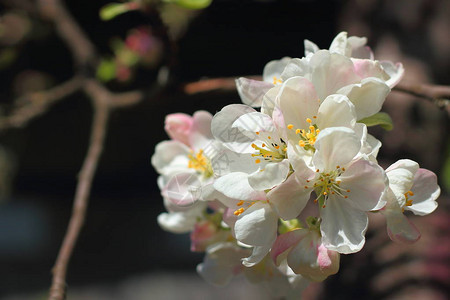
(32, 105)
(98, 133)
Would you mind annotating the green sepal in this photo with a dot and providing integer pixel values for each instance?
(112, 10)
(380, 118)
(286, 226)
(106, 71)
(191, 4)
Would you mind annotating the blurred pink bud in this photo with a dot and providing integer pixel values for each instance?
(203, 235)
(178, 126)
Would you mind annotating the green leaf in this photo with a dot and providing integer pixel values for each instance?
(380, 118)
(106, 71)
(191, 4)
(112, 10)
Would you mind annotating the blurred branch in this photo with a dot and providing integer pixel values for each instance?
(227, 84)
(98, 133)
(34, 104)
(68, 29)
(437, 94)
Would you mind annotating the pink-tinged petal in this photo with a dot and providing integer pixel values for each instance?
(222, 262)
(395, 72)
(271, 175)
(335, 146)
(343, 227)
(401, 176)
(166, 152)
(336, 111)
(201, 130)
(258, 254)
(183, 189)
(178, 127)
(364, 183)
(310, 47)
(284, 242)
(252, 91)
(235, 185)
(330, 72)
(366, 68)
(312, 260)
(426, 191)
(289, 198)
(274, 68)
(298, 101)
(257, 225)
(400, 229)
(368, 96)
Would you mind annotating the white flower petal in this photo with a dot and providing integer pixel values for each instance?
(258, 254)
(310, 47)
(343, 227)
(221, 126)
(335, 146)
(330, 72)
(335, 111)
(395, 72)
(366, 182)
(166, 152)
(426, 191)
(255, 122)
(271, 175)
(368, 96)
(289, 198)
(201, 130)
(252, 91)
(274, 68)
(235, 185)
(222, 262)
(183, 221)
(401, 176)
(183, 189)
(257, 225)
(296, 67)
(339, 45)
(400, 229)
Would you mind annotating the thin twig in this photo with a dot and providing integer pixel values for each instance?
(98, 133)
(437, 94)
(32, 105)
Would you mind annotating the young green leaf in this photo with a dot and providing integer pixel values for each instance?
(380, 118)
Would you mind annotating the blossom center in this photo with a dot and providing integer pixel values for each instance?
(244, 205)
(327, 184)
(408, 201)
(307, 138)
(200, 163)
(270, 150)
(276, 80)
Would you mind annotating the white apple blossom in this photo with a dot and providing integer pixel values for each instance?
(346, 184)
(362, 56)
(410, 188)
(254, 147)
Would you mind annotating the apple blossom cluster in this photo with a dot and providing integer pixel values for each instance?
(239, 181)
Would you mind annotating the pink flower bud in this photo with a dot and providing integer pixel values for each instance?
(203, 235)
(178, 126)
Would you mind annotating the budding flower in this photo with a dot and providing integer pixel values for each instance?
(178, 126)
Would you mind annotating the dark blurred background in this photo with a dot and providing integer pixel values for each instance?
(122, 253)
